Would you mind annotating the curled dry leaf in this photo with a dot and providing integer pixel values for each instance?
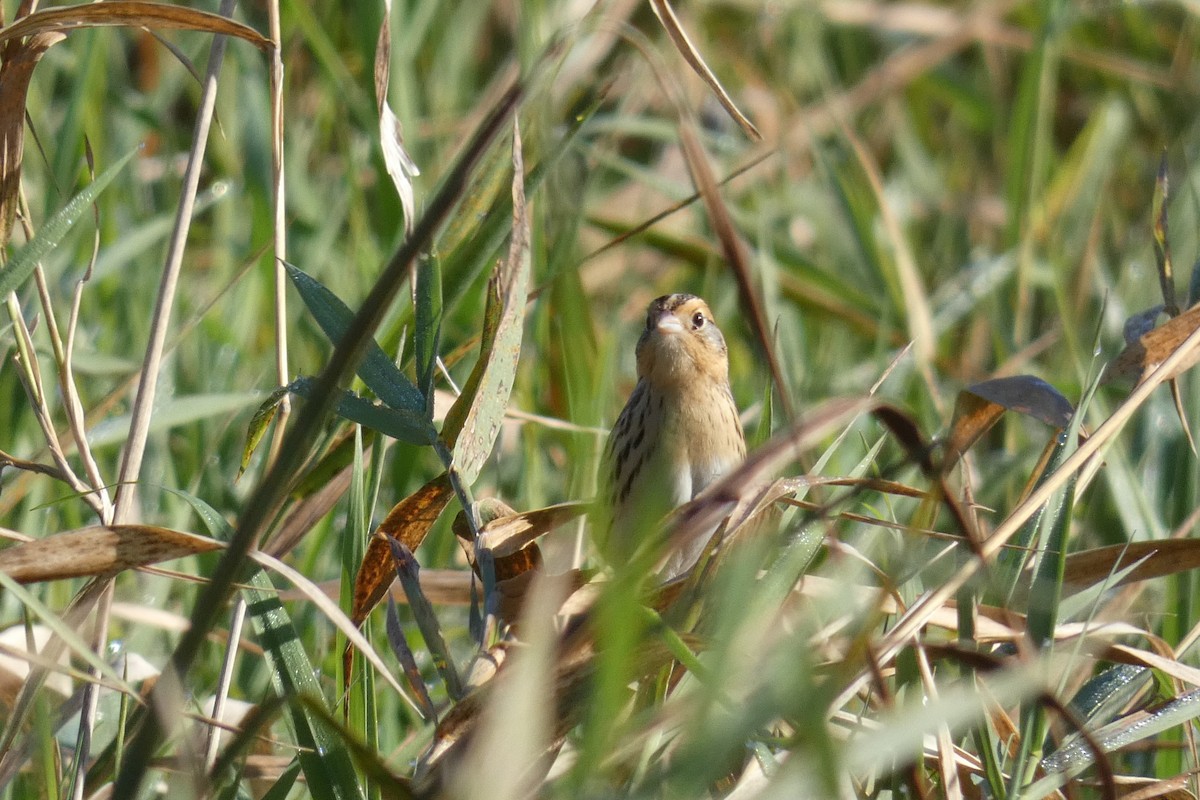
(400, 165)
(1150, 349)
(508, 534)
(99, 550)
(511, 564)
(979, 407)
(408, 522)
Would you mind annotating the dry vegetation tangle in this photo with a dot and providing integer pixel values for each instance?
(316, 319)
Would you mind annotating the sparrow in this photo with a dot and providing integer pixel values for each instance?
(679, 431)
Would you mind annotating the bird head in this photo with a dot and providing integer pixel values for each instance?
(681, 344)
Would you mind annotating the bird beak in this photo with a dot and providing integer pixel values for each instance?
(668, 324)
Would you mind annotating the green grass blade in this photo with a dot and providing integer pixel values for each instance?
(328, 770)
(22, 264)
(427, 335)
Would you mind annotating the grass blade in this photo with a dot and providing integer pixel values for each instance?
(22, 264)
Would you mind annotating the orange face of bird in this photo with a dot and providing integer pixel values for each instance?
(681, 343)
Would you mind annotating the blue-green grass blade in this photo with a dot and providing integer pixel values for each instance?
(328, 769)
(403, 424)
(377, 371)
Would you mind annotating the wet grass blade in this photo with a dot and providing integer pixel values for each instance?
(328, 769)
(22, 264)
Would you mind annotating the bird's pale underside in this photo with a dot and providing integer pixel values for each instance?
(678, 433)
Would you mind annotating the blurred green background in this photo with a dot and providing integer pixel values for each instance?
(987, 170)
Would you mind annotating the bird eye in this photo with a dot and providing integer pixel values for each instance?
(698, 320)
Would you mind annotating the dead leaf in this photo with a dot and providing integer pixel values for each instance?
(408, 522)
(99, 550)
(508, 534)
(1139, 358)
(1157, 559)
(735, 253)
(980, 405)
(510, 565)
(670, 22)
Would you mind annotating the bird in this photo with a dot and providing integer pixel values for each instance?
(678, 432)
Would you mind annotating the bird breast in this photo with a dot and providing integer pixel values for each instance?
(686, 442)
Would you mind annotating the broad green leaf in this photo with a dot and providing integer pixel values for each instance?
(22, 264)
(399, 423)
(377, 371)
